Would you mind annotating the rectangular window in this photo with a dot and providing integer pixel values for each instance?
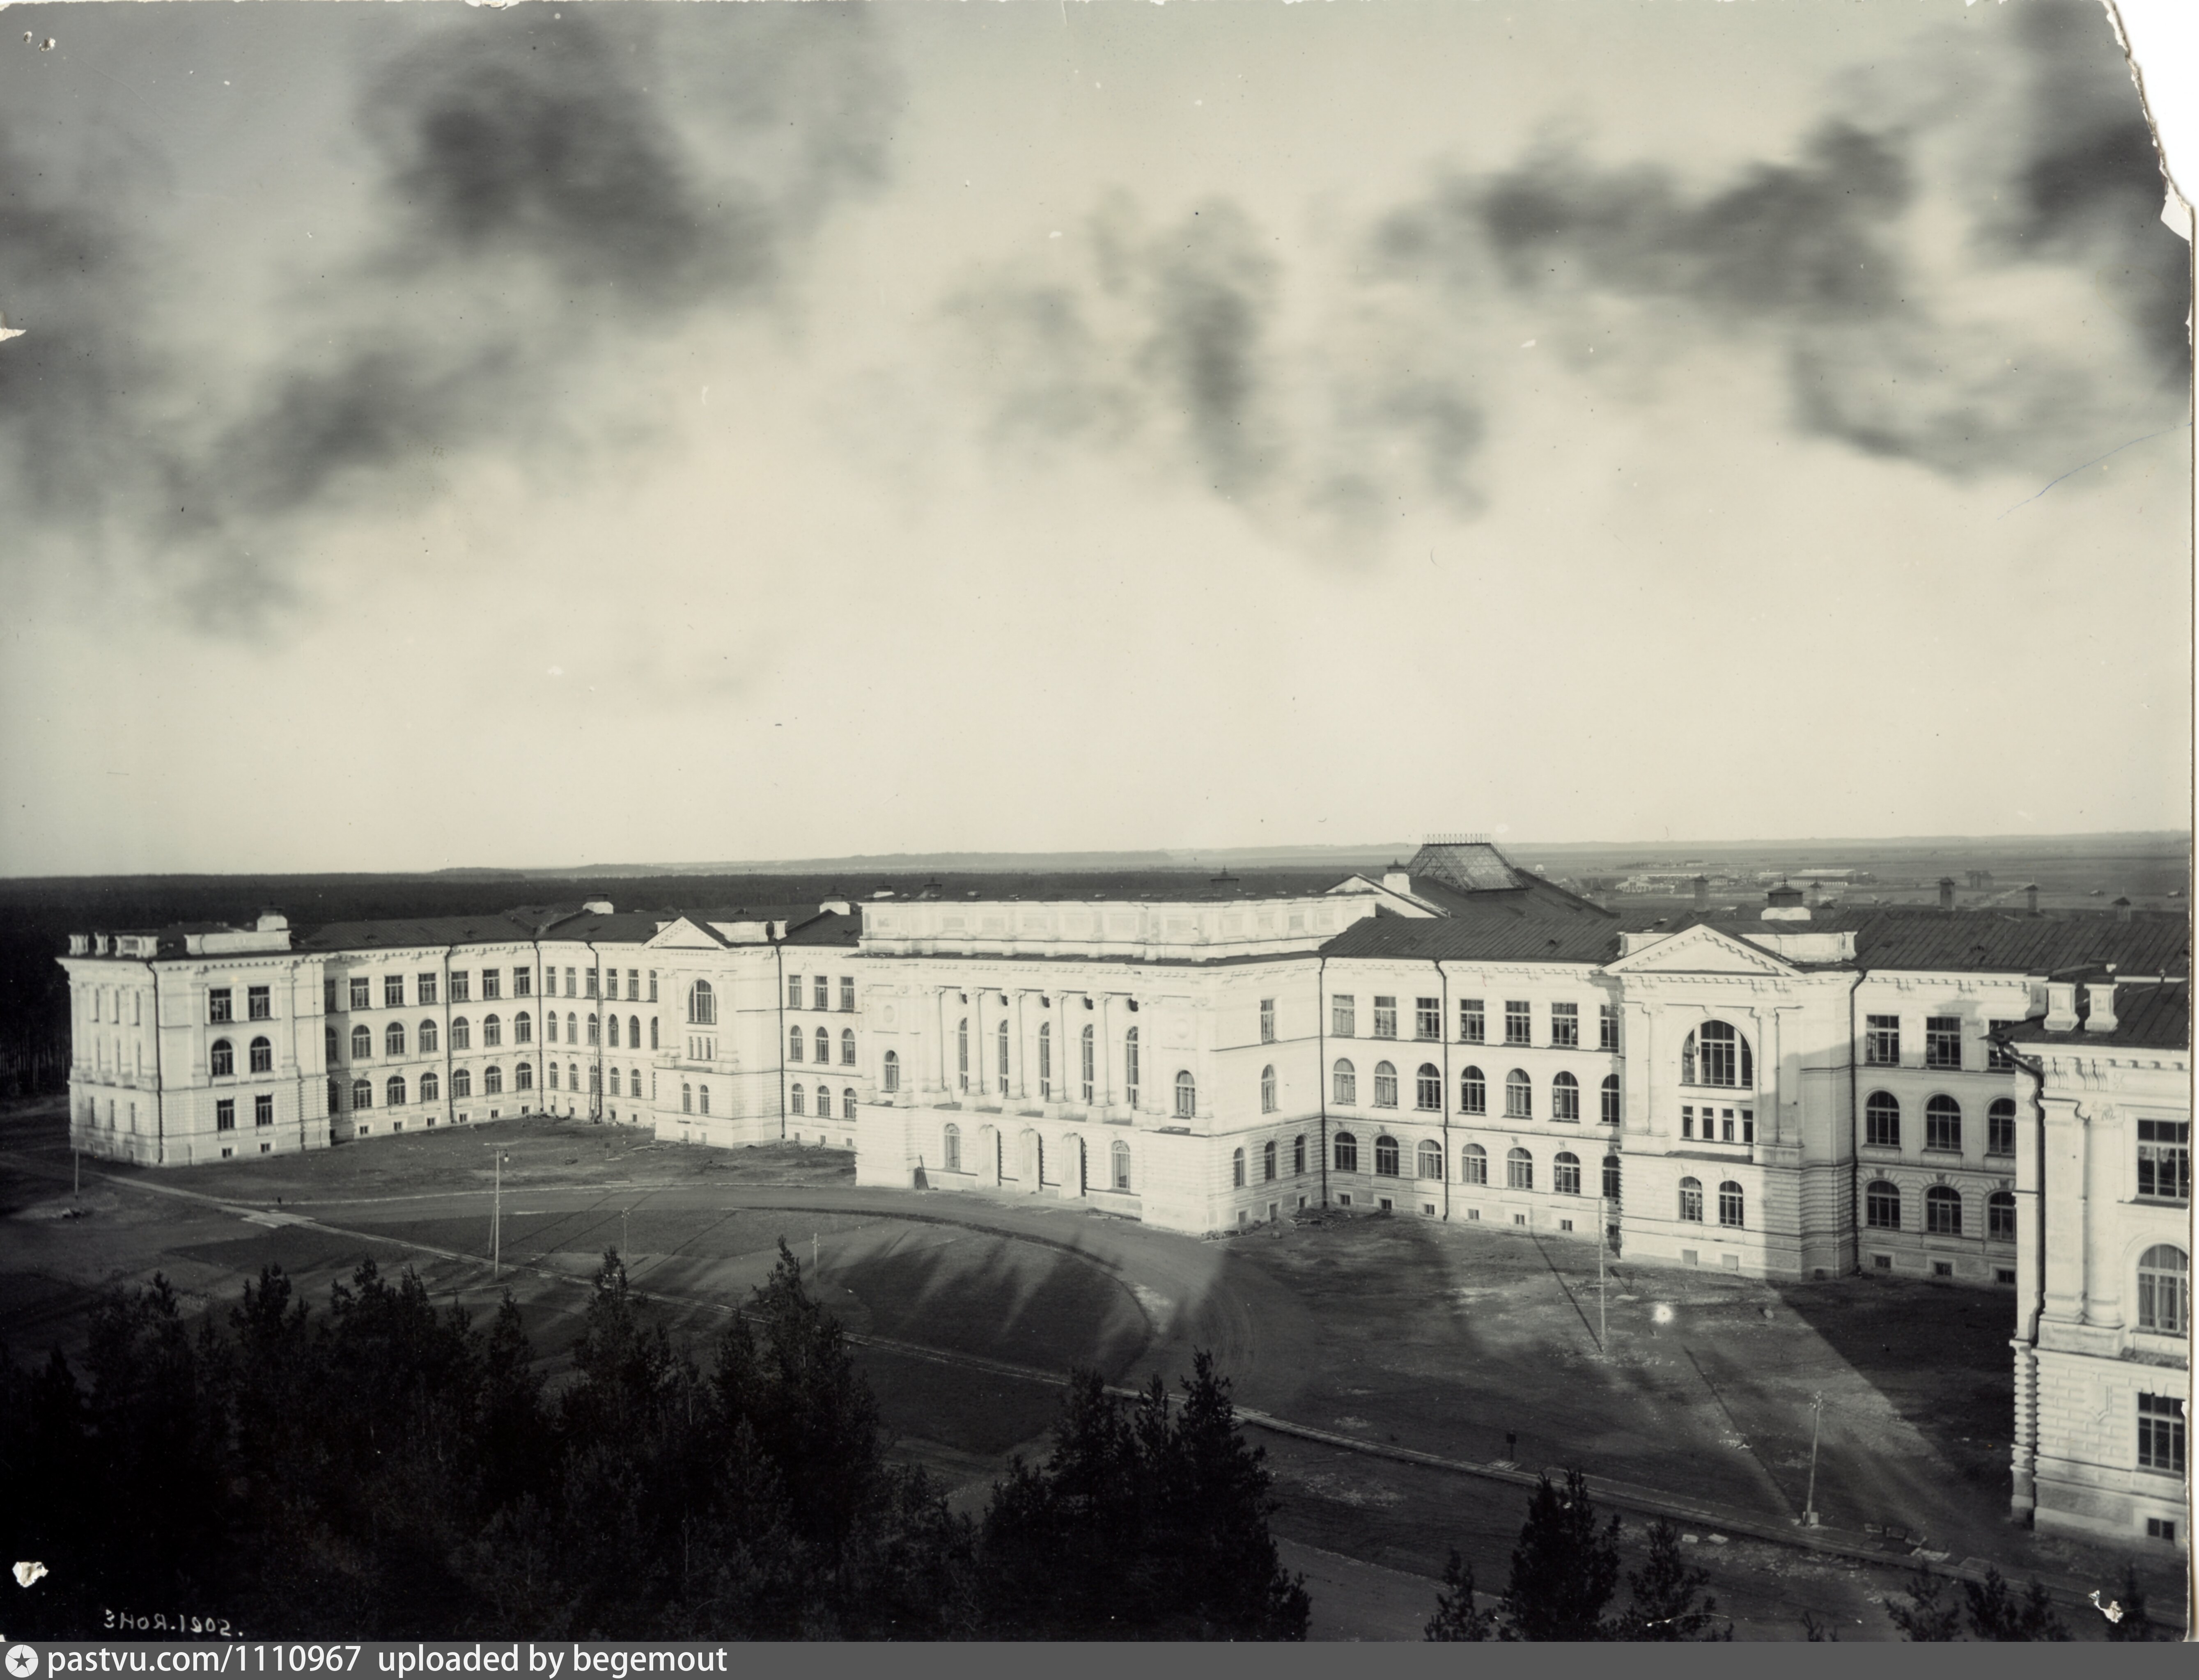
(263, 1110)
(2000, 1128)
(1686, 1119)
(2164, 1159)
(570, 975)
(461, 988)
(2160, 1432)
(393, 992)
(1997, 1059)
(1565, 1025)
(258, 1004)
(1881, 1041)
(820, 992)
(794, 992)
(847, 994)
(224, 1115)
(1343, 1015)
(217, 1004)
(1473, 1024)
(1266, 1020)
(1427, 1017)
(328, 997)
(1386, 1017)
(595, 983)
(426, 983)
(523, 982)
(1608, 1028)
(1518, 1023)
(1749, 1125)
(492, 984)
(653, 985)
(361, 997)
(1943, 1041)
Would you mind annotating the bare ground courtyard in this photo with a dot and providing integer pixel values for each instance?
(1384, 1362)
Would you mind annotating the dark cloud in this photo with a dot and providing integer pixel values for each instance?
(550, 198)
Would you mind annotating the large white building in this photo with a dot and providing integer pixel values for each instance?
(1796, 1093)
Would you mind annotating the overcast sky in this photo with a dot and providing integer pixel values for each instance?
(581, 434)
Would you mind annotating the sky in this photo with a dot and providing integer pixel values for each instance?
(574, 434)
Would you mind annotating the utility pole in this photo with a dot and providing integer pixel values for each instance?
(622, 1213)
(76, 1170)
(1602, 1328)
(812, 1253)
(496, 1223)
(1817, 1419)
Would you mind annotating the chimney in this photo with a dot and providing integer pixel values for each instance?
(273, 922)
(1946, 893)
(1396, 879)
(1783, 903)
(597, 907)
(2122, 910)
(2100, 999)
(1702, 893)
(2060, 1007)
(2031, 898)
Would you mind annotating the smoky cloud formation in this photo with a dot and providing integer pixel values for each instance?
(548, 199)
(1962, 266)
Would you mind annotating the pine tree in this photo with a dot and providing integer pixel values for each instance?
(1924, 1619)
(1564, 1568)
(1996, 1614)
(1455, 1617)
(1663, 1605)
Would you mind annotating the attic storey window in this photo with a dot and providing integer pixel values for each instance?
(427, 986)
(1473, 1022)
(462, 987)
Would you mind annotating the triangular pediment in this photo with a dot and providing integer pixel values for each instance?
(685, 935)
(1699, 951)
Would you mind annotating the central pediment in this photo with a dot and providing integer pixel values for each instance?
(1695, 951)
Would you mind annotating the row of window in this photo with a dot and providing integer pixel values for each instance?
(604, 982)
(395, 1090)
(1472, 1164)
(824, 1040)
(820, 992)
(258, 1004)
(796, 1097)
(221, 1058)
(1564, 1020)
(1186, 1087)
(1118, 1157)
(428, 1038)
(100, 994)
(1472, 1091)
(1943, 1123)
(224, 1113)
(1943, 1043)
(596, 1078)
(1943, 1210)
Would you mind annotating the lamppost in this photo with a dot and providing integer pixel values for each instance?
(1817, 1419)
(1602, 1230)
(496, 1223)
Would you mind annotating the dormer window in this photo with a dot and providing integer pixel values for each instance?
(1716, 1054)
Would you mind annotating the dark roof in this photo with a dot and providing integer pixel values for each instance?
(2148, 1017)
(1924, 939)
(497, 927)
(830, 929)
(1503, 928)
(1466, 866)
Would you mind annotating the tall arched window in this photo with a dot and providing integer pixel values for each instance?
(1297, 1156)
(462, 1034)
(1943, 1210)
(1428, 1163)
(362, 1043)
(1386, 1085)
(1943, 1123)
(549, 1027)
(522, 1078)
(1267, 1160)
(1473, 1164)
(1130, 1067)
(1715, 1055)
(701, 1099)
(797, 1046)
(962, 1051)
(652, 1032)
(1520, 1170)
(573, 1076)
(1882, 1120)
(951, 1147)
(2164, 1290)
(1564, 1098)
(610, 1035)
(701, 1005)
(329, 1050)
(1565, 1173)
(523, 1028)
(431, 1087)
(362, 1093)
(1237, 1169)
(686, 1091)
(2000, 1127)
(393, 1094)
(632, 1031)
(1343, 1080)
(1611, 1100)
(572, 1027)
(1088, 1049)
(1881, 1207)
(1730, 1204)
(1000, 1056)
(1385, 1156)
(1427, 1088)
(1118, 1155)
(1519, 1096)
(427, 1038)
(262, 1056)
(847, 1050)
(848, 1102)
(461, 1083)
(824, 1042)
(1691, 1200)
(797, 1098)
(2000, 1216)
(1347, 1153)
(634, 1082)
(1473, 1092)
(1611, 1179)
(1046, 1061)
(1268, 1088)
(493, 1081)
(1187, 1095)
(392, 1039)
(892, 1080)
(493, 1031)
